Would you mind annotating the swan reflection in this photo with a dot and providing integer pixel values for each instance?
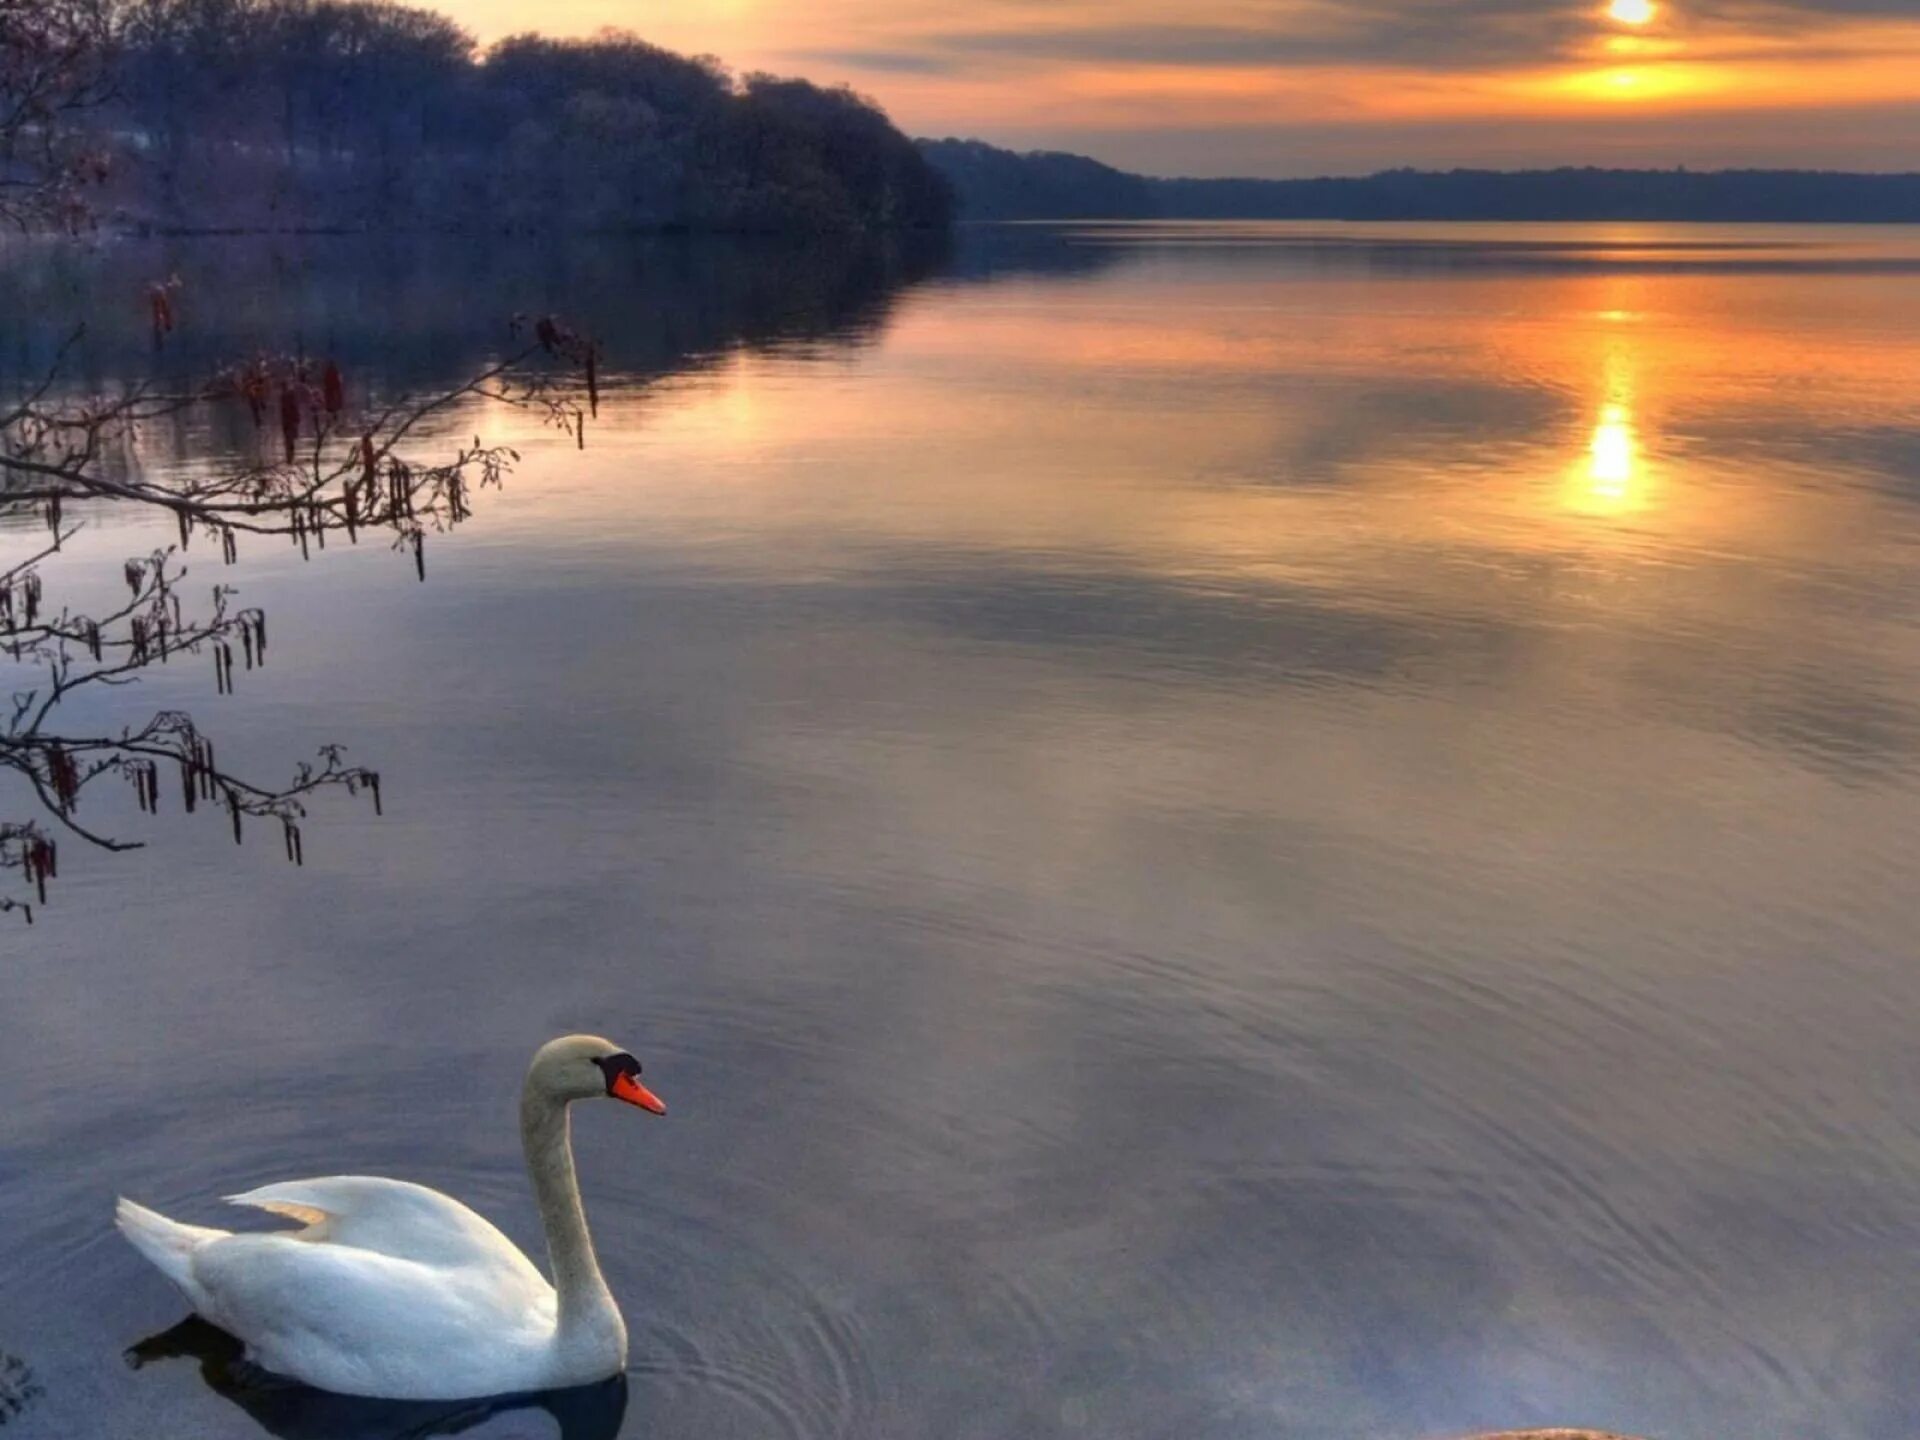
(299, 1412)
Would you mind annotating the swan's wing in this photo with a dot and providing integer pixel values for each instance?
(393, 1218)
(363, 1323)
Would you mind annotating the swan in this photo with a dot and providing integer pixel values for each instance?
(394, 1291)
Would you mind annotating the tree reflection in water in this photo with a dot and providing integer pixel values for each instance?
(284, 447)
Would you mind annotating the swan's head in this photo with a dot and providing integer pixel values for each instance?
(585, 1067)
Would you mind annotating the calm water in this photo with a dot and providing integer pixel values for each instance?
(1210, 831)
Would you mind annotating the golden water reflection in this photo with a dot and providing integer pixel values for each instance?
(1301, 414)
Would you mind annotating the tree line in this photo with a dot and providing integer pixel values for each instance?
(995, 184)
(361, 114)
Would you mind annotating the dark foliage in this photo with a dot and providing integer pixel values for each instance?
(994, 184)
(359, 114)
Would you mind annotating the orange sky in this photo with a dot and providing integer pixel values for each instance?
(1285, 87)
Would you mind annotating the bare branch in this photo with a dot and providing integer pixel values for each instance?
(337, 470)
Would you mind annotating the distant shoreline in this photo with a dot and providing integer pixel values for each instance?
(1044, 221)
(994, 184)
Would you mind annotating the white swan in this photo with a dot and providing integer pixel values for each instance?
(398, 1292)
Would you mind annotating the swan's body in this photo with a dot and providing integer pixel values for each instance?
(398, 1291)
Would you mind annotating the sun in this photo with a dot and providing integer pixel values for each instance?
(1631, 12)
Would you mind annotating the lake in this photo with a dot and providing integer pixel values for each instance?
(1210, 831)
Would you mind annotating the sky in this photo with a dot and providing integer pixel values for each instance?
(1306, 87)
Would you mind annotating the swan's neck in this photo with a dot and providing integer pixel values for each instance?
(588, 1320)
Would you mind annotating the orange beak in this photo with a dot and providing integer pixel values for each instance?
(626, 1088)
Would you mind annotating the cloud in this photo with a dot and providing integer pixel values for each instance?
(1370, 32)
(895, 62)
(1380, 33)
(1412, 34)
(1791, 17)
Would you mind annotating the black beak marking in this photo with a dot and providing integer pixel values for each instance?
(614, 1066)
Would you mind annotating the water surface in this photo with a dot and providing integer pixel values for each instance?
(1230, 831)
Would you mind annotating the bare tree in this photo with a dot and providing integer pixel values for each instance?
(331, 469)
